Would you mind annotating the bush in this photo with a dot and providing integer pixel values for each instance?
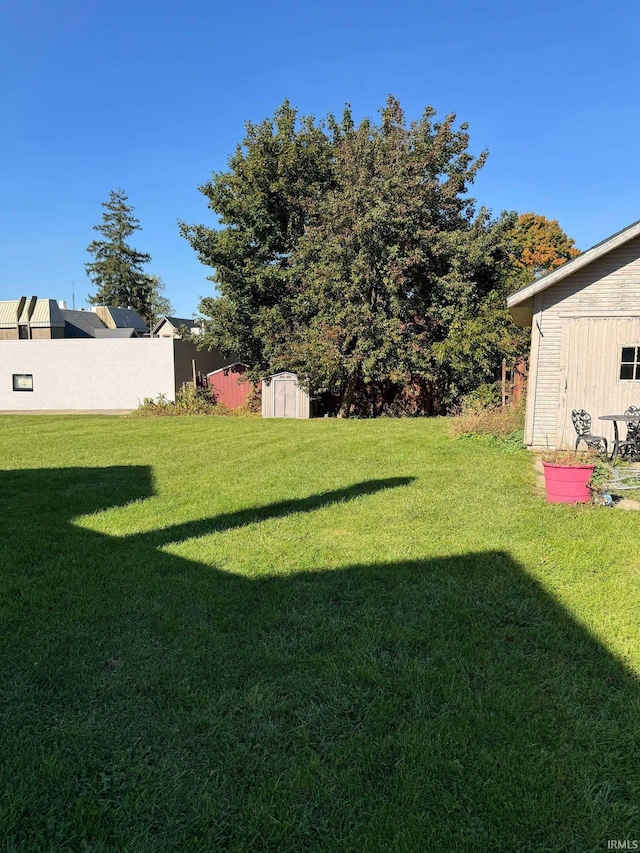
(485, 396)
(253, 404)
(189, 401)
(158, 406)
(506, 424)
(195, 401)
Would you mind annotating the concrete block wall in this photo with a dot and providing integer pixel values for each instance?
(86, 373)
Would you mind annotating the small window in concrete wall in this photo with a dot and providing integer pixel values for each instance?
(23, 382)
(630, 363)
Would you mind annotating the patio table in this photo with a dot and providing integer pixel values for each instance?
(628, 419)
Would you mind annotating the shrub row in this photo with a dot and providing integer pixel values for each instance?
(195, 401)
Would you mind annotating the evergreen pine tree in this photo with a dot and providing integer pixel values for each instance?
(116, 270)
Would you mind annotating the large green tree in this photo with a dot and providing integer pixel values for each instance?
(117, 268)
(354, 256)
(374, 267)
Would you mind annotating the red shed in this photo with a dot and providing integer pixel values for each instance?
(227, 385)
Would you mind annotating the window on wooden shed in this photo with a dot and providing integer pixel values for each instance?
(630, 363)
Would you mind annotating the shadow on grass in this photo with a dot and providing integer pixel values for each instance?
(418, 705)
(229, 521)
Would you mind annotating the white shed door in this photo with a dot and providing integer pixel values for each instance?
(284, 398)
(590, 358)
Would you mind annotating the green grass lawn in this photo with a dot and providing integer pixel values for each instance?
(245, 635)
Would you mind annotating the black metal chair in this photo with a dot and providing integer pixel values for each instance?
(582, 425)
(631, 445)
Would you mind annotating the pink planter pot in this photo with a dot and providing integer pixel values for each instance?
(567, 484)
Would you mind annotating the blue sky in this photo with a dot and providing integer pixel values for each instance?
(152, 97)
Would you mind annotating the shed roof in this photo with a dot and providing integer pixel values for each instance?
(283, 374)
(520, 303)
(229, 367)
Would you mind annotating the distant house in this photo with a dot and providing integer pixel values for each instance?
(83, 324)
(46, 319)
(173, 327)
(585, 340)
(102, 322)
(122, 318)
(103, 358)
(25, 319)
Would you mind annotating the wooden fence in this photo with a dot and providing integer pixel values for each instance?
(514, 381)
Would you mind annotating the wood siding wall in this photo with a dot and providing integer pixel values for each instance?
(228, 387)
(572, 350)
(594, 383)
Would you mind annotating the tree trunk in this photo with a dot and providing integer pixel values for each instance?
(347, 397)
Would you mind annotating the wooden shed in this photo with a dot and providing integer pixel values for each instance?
(282, 397)
(228, 385)
(585, 340)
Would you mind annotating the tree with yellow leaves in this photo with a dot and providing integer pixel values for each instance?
(539, 245)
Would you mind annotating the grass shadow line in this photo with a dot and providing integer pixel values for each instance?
(243, 517)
